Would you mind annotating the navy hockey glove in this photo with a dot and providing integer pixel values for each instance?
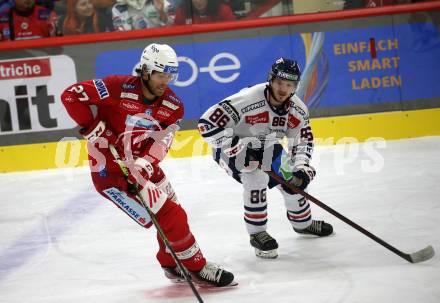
(246, 151)
(302, 175)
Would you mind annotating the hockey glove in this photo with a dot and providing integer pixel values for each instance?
(141, 171)
(244, 150)
(301, 176)
(98, 131)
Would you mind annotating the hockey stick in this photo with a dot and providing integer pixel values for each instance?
(159, 229)
(416, 257)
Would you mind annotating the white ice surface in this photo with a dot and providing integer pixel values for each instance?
(61, 242)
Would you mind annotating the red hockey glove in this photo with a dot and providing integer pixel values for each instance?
(98, 131)
(141, 171)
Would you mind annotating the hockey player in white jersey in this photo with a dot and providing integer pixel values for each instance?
(245, 130)
(141, 14)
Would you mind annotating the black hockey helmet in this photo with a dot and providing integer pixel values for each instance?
(285, 69)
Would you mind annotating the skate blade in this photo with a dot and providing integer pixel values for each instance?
(266, 254)
(202, 284)
(206, 285)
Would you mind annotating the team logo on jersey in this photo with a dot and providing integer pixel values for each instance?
(170, 105)
(258, 118)
(129, 96)
(292, 121)
(149, 112)
(24, 25)
(253, 106)
(101, 88)
(130, 106)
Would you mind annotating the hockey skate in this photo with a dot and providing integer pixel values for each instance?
(174, 274)
(211, 275)
(317, 228)
(265, 245)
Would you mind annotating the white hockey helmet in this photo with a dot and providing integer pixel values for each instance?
(161, 58)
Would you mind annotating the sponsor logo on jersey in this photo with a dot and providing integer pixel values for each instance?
(292, 121)
(140, 122)
(128, 86)
(258, 118)
(131, 207)
(174, 98)
(130, 106)
(226, 105)
(253, 106)
(170, 105)
(129, 96)
(101, 88)
(164, 113)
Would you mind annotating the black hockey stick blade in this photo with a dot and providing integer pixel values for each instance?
(421, 255)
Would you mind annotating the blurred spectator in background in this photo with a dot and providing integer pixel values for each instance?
(104, 10)
(140, 14)
(5, 6)
(203, 11)
(50, 4)
(81, 18)
(367, 3)
(26, 20)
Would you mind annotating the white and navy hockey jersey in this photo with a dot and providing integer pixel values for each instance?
(127, 18)
(248, 114)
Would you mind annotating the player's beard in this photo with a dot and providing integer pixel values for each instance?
(281, 100)
(153, 90)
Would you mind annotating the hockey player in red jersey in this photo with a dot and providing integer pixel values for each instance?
(139, 116)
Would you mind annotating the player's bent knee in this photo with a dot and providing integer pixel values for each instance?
(153, 196)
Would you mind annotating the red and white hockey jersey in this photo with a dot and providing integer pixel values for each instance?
(120, 103)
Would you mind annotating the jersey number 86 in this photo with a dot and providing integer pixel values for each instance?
(219, 118)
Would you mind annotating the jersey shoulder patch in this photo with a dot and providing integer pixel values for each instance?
(101, 88)
(299, 107)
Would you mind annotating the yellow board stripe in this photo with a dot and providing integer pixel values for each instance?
(389, 126)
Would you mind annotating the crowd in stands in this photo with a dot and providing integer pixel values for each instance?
(30, 19)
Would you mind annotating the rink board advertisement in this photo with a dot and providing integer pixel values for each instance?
(341, 68)
(380, 66)
(30, 90)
